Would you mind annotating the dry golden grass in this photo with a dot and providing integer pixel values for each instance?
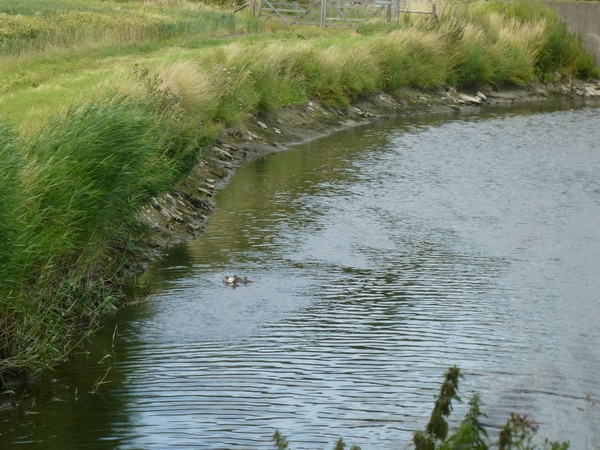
(526, 35)
(196, 87)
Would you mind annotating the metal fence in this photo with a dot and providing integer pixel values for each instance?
(337, 12)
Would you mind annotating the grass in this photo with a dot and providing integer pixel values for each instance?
(38, 25)
(70, 191)
(106, 104)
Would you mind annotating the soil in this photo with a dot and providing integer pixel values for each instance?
(180, 215)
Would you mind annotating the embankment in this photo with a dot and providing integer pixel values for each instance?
(180, 215)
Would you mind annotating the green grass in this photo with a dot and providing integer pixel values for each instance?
(69, 192)
(37, 25)
(560, 52)
(105, 104)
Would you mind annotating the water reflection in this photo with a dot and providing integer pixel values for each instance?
(380, 256)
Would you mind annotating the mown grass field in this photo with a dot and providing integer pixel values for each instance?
(105, 104)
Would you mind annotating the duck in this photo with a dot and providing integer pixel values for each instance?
(235, 280)
(231, 280)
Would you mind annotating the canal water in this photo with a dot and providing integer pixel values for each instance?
(379, 257)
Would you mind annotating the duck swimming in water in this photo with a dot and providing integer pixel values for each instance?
(230, 280)
(235, 280)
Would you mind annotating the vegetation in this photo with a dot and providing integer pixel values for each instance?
(68, 192)
(517, 434)
(38, 25)
(105, 104)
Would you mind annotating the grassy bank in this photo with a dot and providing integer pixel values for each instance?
(108, 104)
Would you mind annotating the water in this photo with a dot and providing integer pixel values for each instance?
(379, 256)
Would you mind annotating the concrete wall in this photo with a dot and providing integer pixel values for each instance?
(582, 18)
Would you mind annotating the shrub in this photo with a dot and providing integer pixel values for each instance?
(517, 434)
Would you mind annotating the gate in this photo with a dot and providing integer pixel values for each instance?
(337, 12)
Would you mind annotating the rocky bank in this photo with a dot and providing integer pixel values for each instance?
(181, 214)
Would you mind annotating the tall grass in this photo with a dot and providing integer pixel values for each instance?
(37, 25)
(83, 172)
(68, 193)
(558, 51)
(71, 186)
(10, 196)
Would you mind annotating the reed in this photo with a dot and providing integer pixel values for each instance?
(10, 197)
(69, 193)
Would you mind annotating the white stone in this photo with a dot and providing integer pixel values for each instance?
(468, 98)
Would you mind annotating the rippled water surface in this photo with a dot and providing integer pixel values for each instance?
(380, 256)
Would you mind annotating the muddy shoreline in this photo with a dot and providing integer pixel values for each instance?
(180, 215)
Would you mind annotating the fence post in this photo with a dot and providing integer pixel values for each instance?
(258, 8)
(251, 7)
(389, 12)
(434, 10)
(396, 13)
(323, 13)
